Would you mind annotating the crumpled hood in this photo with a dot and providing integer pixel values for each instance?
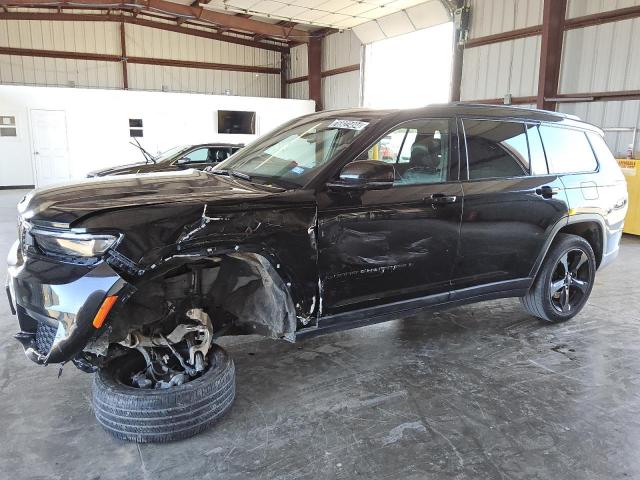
(63, 204)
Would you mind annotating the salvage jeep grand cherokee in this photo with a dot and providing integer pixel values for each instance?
(335, 220)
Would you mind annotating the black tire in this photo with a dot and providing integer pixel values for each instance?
(163, 415)
(547, 302)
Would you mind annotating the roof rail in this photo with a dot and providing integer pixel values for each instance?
(517, 107)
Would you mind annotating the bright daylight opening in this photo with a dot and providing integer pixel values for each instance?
(410, 70)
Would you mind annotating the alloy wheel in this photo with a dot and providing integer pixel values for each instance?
(570, 280)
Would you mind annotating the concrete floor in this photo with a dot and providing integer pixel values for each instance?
(481, 391)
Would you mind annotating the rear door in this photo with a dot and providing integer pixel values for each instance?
(378, 246)
(511, 202)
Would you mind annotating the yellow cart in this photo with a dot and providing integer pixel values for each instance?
(631, 170)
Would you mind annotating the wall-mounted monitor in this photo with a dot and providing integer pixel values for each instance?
(233, 121)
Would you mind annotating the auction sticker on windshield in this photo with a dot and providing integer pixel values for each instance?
(348, 124)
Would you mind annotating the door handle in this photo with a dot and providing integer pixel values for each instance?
(547, 191)
(440, 199)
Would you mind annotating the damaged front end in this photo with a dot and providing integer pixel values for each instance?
(94, 310)
(61, 305)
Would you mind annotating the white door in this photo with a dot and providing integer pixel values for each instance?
(50, 152)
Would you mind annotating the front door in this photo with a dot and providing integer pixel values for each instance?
(50, 152)
(511, 203)
(378, 246)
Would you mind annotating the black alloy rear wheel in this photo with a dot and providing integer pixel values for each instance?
(564, 282)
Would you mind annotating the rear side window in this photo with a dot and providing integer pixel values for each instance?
(568, 150)
(496, 149)
(602, 150)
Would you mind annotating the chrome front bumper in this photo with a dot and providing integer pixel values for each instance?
(50, 296)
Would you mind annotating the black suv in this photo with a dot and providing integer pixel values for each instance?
(335, 220)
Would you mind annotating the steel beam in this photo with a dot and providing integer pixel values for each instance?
(123, 52)
(315, 71)
(553, 17)
(100, 57)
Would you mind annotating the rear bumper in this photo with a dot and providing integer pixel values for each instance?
(611, 247)
(51, 296)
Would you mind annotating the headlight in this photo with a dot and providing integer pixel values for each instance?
(73, 244)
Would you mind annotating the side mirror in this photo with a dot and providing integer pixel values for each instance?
(183, 160)
(364, 175)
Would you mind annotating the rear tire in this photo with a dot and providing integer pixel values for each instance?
(564, 282)
(163, 415)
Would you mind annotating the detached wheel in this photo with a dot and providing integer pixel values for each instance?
(564, 282)
(162, 415)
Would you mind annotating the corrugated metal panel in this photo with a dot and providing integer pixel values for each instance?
(154, 43)
(340, 50)
(59, 72)
(489, 17)
(298, 90)
(341, 91)
(298, 62)
(85, 37)
(609, 115)
(492, 71)
(601, 58)
(194, 80)
(578, 8)
(104, 38)
(93, 37)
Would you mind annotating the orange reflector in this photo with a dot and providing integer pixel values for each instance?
(104, 310)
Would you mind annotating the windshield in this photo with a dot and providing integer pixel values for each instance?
(289, 156)
(171, 154)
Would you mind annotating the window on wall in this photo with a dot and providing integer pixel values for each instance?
(419, 151)
(496, 149)
(8, 126)
(135, 127)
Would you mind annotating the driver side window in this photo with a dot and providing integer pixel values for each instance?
(419, 151)
(199, 155)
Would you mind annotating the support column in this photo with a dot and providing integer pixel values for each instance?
(553, 19)
(315, 71)
(461, 24)
(284, 64)
(123, 51)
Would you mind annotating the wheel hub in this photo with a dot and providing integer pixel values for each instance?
(570, 280)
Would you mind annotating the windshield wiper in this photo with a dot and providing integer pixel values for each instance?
(230, 173)
(241, 175)
(146, 154)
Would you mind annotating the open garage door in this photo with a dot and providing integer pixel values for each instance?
(409, 70)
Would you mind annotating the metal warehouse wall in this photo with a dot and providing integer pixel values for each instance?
(338, 91)
(343, 90)
(603, 58)
(298, 67)
(104, 38)
(594, 59)
(491, 71)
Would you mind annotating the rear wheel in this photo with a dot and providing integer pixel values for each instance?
(163, 414)
(564, 282)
